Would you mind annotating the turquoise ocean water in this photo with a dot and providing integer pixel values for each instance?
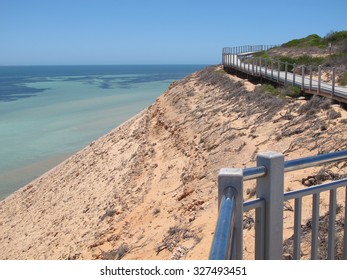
(47, 113)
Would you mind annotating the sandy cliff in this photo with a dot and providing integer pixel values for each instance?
(147, 189)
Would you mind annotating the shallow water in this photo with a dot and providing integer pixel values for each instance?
(49, 113)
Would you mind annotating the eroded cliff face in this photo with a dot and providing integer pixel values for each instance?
(147, 189)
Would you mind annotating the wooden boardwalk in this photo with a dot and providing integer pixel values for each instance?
(308, 78)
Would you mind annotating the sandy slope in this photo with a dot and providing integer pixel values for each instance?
(147, 190)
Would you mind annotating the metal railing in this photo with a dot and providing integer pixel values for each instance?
(309, 78)
(268, 205)
(247, 49)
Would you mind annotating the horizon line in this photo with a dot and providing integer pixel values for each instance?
(130, 64)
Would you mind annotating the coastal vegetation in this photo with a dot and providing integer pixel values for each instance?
(343, 80)
(329, 51)
(314, 40)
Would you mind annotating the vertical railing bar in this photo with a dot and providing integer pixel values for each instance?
(253, 66)
(297, 228)
(278, 71)
(315, 226)
(332, 218)
(333, 81)
(260, 66)
(310, 77)
(260, 232)
(319, 77)
(265, 68)
(302, 78)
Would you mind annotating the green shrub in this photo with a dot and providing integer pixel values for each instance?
(309, 60)
(312, 40)
(292, 43)
(221, 71)
(270, 90)
(283, 60)
(301, 60)
(315, 40)
(343, 80)
(335, 36)
(292, 91)
(336, 60)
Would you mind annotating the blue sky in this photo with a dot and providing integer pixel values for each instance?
(78, 32)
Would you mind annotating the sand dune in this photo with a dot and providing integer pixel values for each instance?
(147, 189)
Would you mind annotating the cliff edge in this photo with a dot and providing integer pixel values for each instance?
(147, 189)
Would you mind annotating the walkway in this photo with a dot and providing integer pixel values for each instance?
(308, 78)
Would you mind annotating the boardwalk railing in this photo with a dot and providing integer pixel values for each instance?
(269, 207)
(247, 49)
(311, 79)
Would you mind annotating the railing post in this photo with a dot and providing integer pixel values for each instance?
(270, 188)
(248, 67)
(253, 66)
(302, 78)
(310, 77)
(278, 71)
(333, 81)
(233, 177)
(319, 77)
(260, 66)
(286, 73)
(265, 68)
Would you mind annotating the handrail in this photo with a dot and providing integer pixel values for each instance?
(269, 206)
(222, 243)
(296, 164)
(253, 172)
(315, 189)
(247, 49)
(311, 161)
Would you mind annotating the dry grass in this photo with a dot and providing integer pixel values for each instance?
(175, 240)
(116, 254)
